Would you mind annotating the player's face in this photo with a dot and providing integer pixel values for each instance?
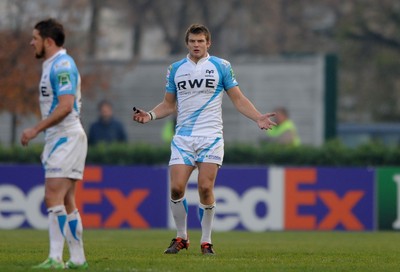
(37, 43)
(198, 46)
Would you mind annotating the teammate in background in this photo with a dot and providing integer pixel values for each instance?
(194, 89)
(285, 131)
(64, 153)
(106, 129)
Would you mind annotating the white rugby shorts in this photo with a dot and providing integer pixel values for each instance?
(191, 149)
(64, 156)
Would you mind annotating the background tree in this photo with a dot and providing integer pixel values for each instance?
(370, 50)
(19, 74)
(20, 71)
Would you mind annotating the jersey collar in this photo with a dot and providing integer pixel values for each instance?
(60, 52)
(201, 61)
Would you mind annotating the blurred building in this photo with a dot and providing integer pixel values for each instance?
(353, 135)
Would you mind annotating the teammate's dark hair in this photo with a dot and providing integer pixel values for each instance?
(51, 28)
(197, 29)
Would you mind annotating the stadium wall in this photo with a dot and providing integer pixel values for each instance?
(248, 198)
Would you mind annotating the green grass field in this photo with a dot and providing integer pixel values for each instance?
(134, 250)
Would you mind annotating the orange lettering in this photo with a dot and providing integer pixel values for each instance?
(294, 198)
(92, 196)
(340, 210)
(126, 208)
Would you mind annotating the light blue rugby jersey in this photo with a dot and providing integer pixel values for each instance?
(199, 91)
(60, 76)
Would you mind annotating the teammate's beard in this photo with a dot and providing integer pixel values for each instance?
(41, 54)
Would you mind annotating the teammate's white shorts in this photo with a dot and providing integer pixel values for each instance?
(64, 157)
(189, 150)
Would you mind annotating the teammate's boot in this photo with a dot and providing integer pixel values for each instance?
(50, 263)
(176, 245)
(207, 249)
(71, 265)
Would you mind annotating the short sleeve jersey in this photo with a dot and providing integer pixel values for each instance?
(199, 90)
(60, 76)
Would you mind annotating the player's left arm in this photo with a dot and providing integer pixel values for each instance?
(246, 107)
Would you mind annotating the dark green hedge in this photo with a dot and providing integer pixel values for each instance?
(331, 154)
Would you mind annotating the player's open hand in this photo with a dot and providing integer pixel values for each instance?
(265, 122)
(140, 116)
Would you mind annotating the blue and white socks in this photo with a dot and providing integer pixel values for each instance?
(61, 227)
(74, 238)
(57, 220)
(206, 216)
(179, 211)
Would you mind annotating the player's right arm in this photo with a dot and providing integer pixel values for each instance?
(64, 107)
(165, 108)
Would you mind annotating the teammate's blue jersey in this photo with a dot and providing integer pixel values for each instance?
(60, 76)
(199, 90)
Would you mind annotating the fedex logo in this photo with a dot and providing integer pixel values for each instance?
(329, 199)
(249, 198)
(110, 197)
(260, 199)
(124, 207)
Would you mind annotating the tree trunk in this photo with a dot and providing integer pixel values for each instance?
(14, 123)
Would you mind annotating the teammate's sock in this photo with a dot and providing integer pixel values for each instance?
(57, 218)
(206, 216)
(179, 211)
(74, 238)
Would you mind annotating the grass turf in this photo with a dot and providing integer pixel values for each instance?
(142, 250)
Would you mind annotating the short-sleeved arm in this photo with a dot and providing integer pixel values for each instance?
(229, 79)
(170, 86)
(64, 77)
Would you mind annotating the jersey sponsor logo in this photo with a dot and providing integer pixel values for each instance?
(209, 73)
(43, 91)
(63, 64)
(183, 75)
(225, 62)
(168, 74)
(64, 81)
(77, 171)
(53, 170)
(196, 83)
(232, 74)
(213, 157)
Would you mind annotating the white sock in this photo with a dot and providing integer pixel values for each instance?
(57, 219)
(179, 211)
(206, 215)
(74, 238)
